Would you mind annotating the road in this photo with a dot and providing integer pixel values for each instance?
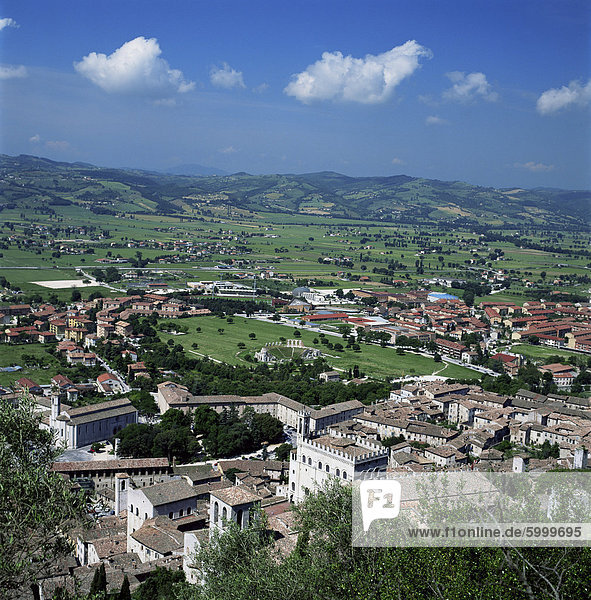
(125, 388)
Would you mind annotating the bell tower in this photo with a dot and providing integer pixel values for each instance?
(56, 405)
(303, 424)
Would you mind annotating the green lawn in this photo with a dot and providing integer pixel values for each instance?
(373, 360)
(541, 353)
(13, 355)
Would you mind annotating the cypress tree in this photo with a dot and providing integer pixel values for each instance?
(124, 593)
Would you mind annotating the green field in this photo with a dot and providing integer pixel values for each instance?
(373, 360)
(539, 354)
(13, 355)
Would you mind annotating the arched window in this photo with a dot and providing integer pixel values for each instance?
(145, 516)
(320, 465)
(310, 461)
(170, 515)
(344, 474)
(189, 510)
(338, 472)
(131, 508)
(181, 513)
(224, 514)
(327, 469)
(303, 458)
(293, 486)
(216, 510)
(239, 519)
(137, 512)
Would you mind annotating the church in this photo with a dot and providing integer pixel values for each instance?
(78, 427)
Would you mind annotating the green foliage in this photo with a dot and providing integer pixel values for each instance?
(283, 451)
(124, 593)
(242, 565)
(163, 584)
(143, 401)
(546, 450)
(172, 437)
(392, 441)
(228, 434)
(37, 507)
(98, 587)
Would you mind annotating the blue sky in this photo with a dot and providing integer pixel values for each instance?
(489, 92)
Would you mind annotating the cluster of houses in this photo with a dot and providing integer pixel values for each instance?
(555, 324)
(163, 513)
(48, 324)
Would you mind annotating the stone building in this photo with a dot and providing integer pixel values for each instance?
(319, 456)
(77, 427)
(173, 395)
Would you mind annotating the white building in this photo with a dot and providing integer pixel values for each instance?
(151, 512)
(77, 427)
(173, 395)
(233, 504)
(320, 456)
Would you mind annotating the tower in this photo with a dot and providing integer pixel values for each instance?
(121, 486)
(581, 458)
(303, 424)
(56, 405)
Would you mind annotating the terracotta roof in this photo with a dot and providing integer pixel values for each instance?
(171, 491)
(235, 496)
(110, 465)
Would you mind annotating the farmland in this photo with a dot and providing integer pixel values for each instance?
(130, 232)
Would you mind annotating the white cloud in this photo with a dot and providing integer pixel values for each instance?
(260, 89)
(435, 120)
(226, 77)
(368, 80)
(534, 167)
(469, 87)
(135, 68)
(228, 150)
(12, 72)
(7, 22)
(35, 138)
(169, 102)
(397, 161)
(555, 99)
(57, 144)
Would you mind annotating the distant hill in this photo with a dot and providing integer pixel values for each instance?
(194, 170)
(34, 182)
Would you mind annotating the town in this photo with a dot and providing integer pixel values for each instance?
(295, 300)
(155, 507)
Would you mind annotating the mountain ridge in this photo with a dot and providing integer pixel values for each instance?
(324, 194)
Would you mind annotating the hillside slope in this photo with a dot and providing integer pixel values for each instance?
(39, 183)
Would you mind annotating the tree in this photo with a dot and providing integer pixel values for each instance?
(164, 584)
(76, 295)
(266, 428)
(283, 451)
(469, 297)
(37, 507)
(245, 564)
(98, 587)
